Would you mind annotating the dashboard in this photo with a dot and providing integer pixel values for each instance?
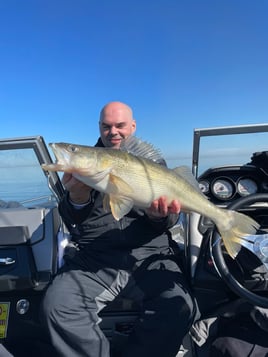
(236, 179)
(224, 184)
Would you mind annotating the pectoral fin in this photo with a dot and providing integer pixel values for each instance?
(120, 206)
(118, 186)
(118, 200)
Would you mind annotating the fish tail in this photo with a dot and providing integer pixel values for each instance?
(239, 227)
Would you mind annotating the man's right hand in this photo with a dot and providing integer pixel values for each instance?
(79, 193)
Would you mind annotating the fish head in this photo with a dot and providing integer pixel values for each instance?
(88, 164)
(73, 158)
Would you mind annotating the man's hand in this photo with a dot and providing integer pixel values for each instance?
(79, 193)
(160, 208)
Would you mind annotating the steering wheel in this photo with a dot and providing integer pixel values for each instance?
(219, 261)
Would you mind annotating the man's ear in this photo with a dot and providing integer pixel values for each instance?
(133, 126)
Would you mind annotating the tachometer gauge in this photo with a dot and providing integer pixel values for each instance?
(246, 187)
(204, 186)
(222, 189)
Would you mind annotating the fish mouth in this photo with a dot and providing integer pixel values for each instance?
(57, 166)
(60, 154)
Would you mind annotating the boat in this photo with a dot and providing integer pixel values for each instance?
(231, 166)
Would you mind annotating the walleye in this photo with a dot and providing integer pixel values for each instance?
(131, 177)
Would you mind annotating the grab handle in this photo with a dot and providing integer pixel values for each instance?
(7, 261)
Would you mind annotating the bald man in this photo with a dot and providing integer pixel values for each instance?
(132, 258)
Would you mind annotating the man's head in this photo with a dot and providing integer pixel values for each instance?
(116, 123)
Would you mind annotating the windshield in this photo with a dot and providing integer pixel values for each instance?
(224, 146)
(23, 181)
(22, 178)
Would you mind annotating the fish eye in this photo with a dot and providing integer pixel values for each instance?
(72, 148)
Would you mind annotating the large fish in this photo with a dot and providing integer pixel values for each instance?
(131, 177)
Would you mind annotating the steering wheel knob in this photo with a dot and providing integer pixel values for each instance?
(258, 245)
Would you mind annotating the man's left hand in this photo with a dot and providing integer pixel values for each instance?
(160, 208)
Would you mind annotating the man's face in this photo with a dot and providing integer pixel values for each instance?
(116, 125)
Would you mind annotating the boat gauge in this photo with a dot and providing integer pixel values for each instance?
(246, 186)
(222, 189)
(204, 186)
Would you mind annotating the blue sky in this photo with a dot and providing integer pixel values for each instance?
(179, 64)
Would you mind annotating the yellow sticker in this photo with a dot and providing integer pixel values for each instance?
(4, 312)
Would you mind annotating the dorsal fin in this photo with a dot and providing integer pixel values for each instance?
(137, 147)
(186, 173)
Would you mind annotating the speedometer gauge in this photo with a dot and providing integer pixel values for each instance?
(204, 186)
(246, 186)
(222, 189)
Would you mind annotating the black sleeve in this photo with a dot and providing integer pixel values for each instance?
(165, 222)
(72, 215)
